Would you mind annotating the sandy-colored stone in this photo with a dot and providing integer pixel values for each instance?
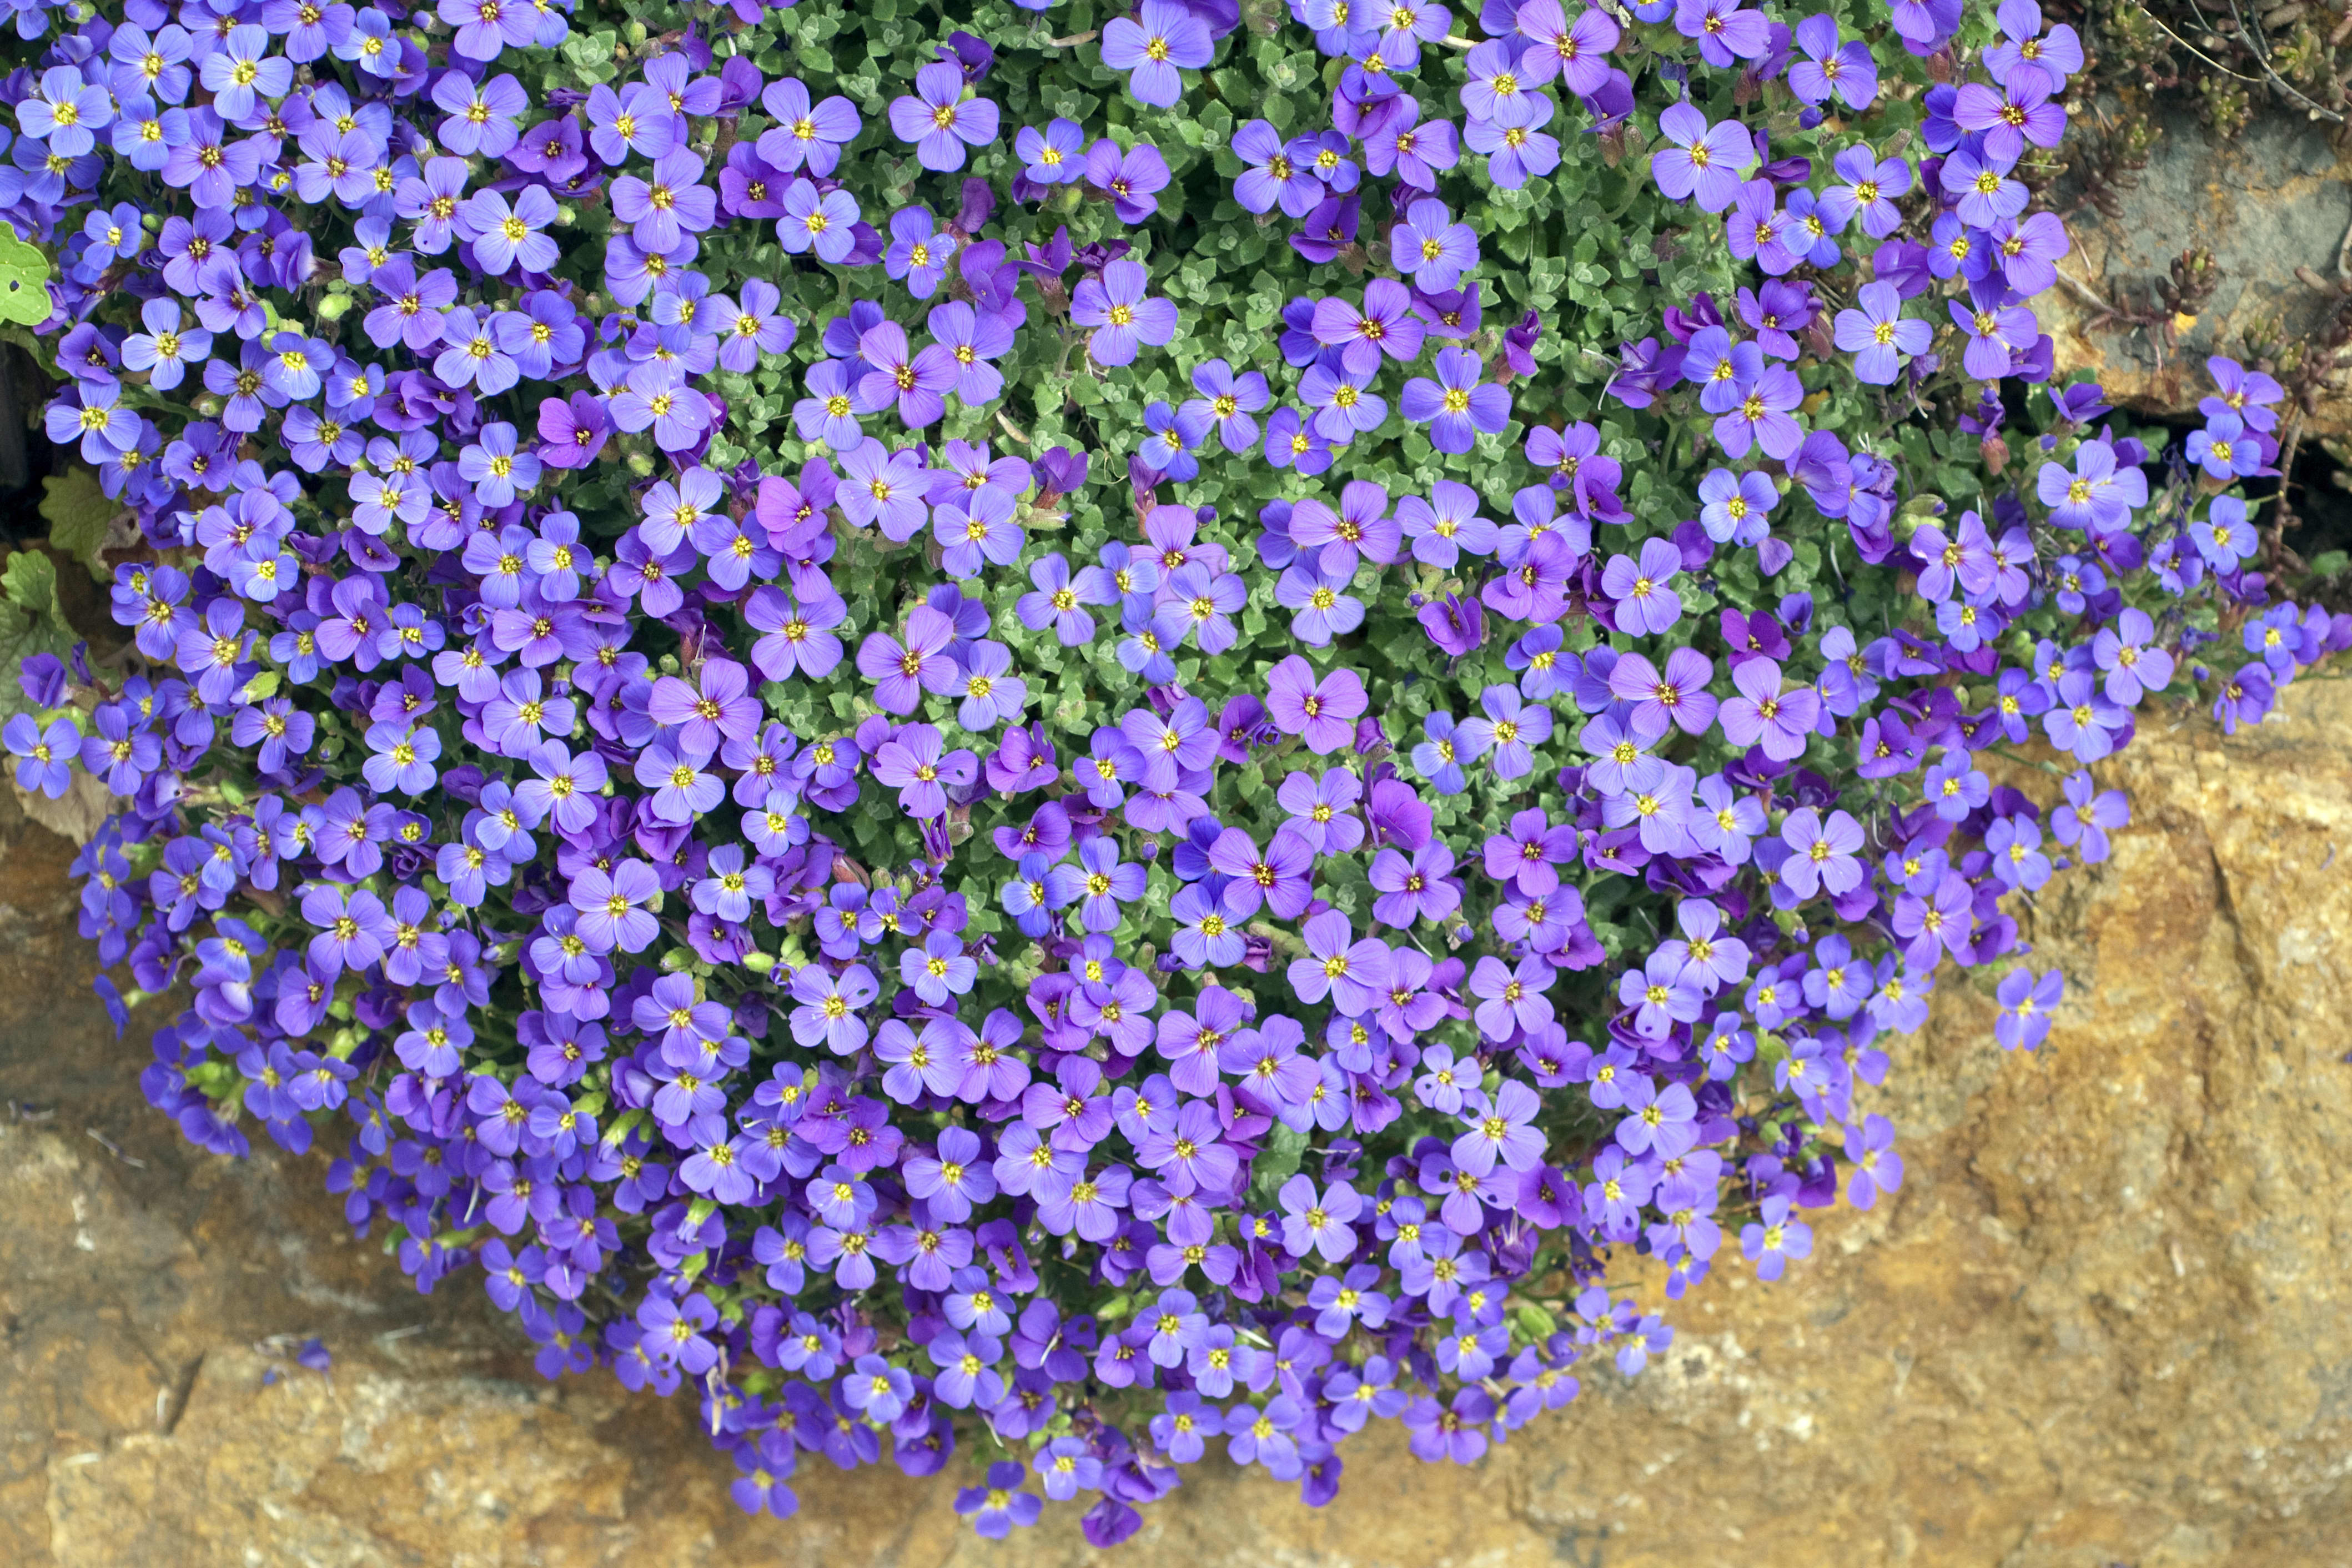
(2105, 1322)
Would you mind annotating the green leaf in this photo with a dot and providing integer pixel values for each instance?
(30, 580)
(24, 280)
(30, 621)
(79, 512)
(1277, 1163)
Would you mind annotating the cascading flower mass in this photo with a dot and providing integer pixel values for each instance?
(698, 705)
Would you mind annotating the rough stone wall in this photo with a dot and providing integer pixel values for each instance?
(2271, 202)
(2104, 1323)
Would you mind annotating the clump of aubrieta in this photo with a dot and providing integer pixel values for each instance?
(1098, 735)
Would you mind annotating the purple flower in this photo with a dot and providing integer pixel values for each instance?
(1323, 713)
(1361, 526)
(1087, 1206)
(1152, 46)
(992, 694)
(682, 791)
(481, 114)
(1413, 150)
(805, 135)
(1701, 161)
(916, 382)
(828, 412)
(1573, 52)
(1273, 177)
(938, 121)
(1054, 156)
(238, 73)
(885, 488)
(1169, 437)
(1877, 1168)
(485, 26)
(1320, 1223)
(65, 110)
(1383, 325)
(1458, 404)
(1679, 695)
(2010, 117)
(1822, 853)
(1829, 67)
(2027, 1000)
(1511, 728)
(1867, 188)
(1454, 1433)
(2085, 719)
(1721, 369)
(352, 926)
(1133, 179)
(2133, 665)
(829, 1008)
(1996, 333)
(1055, 602)
(971, 339)
(977, 530)
(2100, 495)
(1645, 605)
(937, 971)
(918, 252)
(1320, 598)
(1065, 1465)
(1984, 192)
(2245, 697)
(1227, 401)
(1124, 316)
(823, 223)
(753, 328)
(1775, 241)
(1511, 1001)
(636, 119)
(2224, 448)
(1725, 33)
(93, 414)
(494, 468)
(1734, 507)
(401, 758)
(2083, 823)
(505, 236)
(873, 1387)
(165, 349)
(610, 905)
(1878, 332)
(1432, 247)
(1764, 715)
(1100, 883)
(2237, 390)
(904, 671)
(1344, 403)
(995, 1509)
(44, 755)
(1771, 1241)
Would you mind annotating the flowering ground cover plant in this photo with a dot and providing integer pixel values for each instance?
(1087, 734)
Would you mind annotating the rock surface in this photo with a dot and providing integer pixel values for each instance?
(2274, 198)
(2105, 1322)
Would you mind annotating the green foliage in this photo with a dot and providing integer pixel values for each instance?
(31, 622)
(78, 513)
(24, 280)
